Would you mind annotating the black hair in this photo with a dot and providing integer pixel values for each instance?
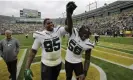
(44, 22)
(85, 27)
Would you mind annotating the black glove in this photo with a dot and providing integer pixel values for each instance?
(70, 7)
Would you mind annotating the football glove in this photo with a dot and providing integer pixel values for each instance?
(28, 74)
(70, 7)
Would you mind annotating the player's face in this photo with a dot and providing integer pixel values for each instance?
(84, 34)
(49, 25)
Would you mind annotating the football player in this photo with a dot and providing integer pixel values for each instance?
(96, 36)
(50, 42)
(77, 44)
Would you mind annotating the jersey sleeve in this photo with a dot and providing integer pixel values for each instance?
(74, 32)
(62, 31)
(35, 34)
(36, 43)
(89, 44)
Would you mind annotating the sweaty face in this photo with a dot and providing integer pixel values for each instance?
(49, 25)
(84, 34)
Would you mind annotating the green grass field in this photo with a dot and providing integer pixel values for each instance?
(108, 48)
(111, 57)
(120, 40)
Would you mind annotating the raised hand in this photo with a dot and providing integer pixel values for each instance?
(70, 7)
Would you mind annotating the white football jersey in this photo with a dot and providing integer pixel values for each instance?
(50, 43)
(95, 34)
(76, 47)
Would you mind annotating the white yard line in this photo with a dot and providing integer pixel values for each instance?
(115, 47)
(117, 51)
(113, 62)
(21, 62)
(101, 71)
(36, 63)
(114, 54)
(131, 66)
(62, 71)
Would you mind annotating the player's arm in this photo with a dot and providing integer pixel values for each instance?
(28, 73)
(69, 23)
(33, 52)
(86, 65)
(31, 56)
(87, 61)
(70, 7)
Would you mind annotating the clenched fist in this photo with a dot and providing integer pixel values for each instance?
(70, 7)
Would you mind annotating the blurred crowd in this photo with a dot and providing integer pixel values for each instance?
(20, 28)
(6, 22)
(108, 25)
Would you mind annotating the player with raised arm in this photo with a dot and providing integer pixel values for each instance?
(78, 43)
(50, 42)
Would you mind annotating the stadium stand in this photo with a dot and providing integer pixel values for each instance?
(7, 22)
(111, 19)
(114, 18)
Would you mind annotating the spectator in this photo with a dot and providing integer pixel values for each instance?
(96, 37)
(9, 49)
